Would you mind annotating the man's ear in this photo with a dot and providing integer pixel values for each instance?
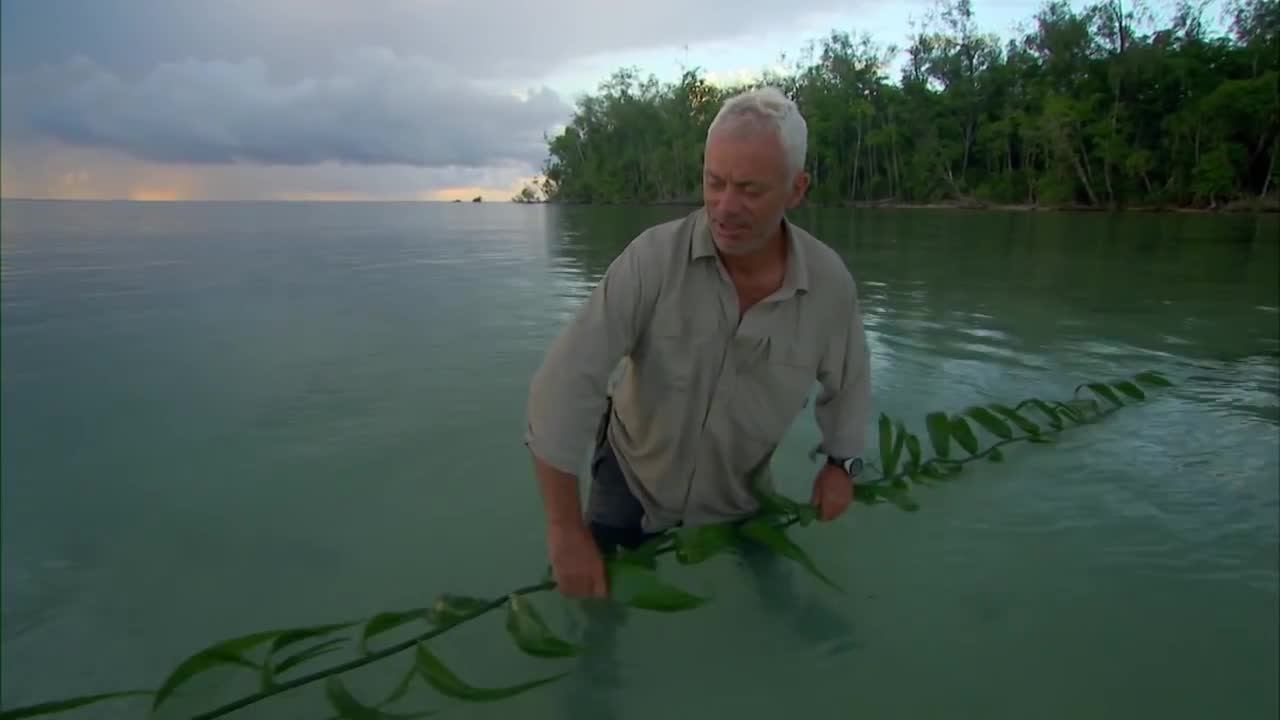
(799, 186)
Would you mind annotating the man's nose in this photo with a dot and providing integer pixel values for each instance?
(730, 201)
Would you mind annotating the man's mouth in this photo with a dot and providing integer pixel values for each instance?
(730, 228)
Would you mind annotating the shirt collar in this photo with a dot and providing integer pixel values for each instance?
(796, 277)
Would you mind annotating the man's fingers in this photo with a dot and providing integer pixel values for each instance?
(582, 584)
(825, 505)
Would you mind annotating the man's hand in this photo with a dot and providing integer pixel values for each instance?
(832, 492)
(576, 564)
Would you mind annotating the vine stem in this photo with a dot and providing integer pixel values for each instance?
(363, 660)
(664, 546)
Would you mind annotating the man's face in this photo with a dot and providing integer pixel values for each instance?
(747, 186)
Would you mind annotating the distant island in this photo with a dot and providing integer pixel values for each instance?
(1098, 108)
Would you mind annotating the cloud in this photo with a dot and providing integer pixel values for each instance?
(477, 38)
(375, 107)
(383, 98)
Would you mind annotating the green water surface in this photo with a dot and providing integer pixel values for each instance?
(221, 418)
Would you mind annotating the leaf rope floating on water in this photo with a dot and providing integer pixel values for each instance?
(633, 573)
(990, 422)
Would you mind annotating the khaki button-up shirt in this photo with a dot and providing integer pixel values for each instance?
(702, 399)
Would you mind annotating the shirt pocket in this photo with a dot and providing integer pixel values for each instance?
(673, 348)
(770, 392)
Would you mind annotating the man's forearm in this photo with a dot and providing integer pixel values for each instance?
(559, 495)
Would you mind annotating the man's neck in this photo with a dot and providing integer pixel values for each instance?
(767, 258)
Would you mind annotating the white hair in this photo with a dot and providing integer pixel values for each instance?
(770, 106)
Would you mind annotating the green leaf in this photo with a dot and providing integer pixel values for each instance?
(640, 587)
(1041, 439)
(310, 653)
(390, 620)
(939, 428)
(646, 553)
(900, 497)
(1071, 413)
(941, 469)
(775, 503)
(1105, 392)
(57, 706)
(447, 683)
(1055, 420)
(700, 543)
(450, 609)
(1085, 407)
(762, 531)
(300, 634)
(402, 688)
(349, 708)
(807, 514)
(1153, 378)
(1130, 389)
(918, 477)
(899, 442)
(888, 462)
(913, 449)
(995, 455)
(531, 633)
(990, 422)
(1022, 421)
(963, 434)
(867, 493)
(227, 652)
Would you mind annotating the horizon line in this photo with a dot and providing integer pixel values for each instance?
(249, 200)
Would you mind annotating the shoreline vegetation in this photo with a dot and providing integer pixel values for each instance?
(1243, 206)
(1140, 106)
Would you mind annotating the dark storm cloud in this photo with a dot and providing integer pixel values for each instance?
(372, 108)
(475, 38)
(294, 82)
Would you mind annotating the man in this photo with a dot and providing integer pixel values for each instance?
(723, 321)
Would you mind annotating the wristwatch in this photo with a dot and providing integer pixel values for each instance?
(852, 466)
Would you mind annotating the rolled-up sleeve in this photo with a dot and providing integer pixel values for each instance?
(567, 395)
(844, 399)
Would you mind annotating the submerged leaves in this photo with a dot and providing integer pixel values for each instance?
(446, 682)
(384, 621)
(640, 587)
(227, 652)
(698, 544)
(531, 633)
(761, 530)
(349, 708)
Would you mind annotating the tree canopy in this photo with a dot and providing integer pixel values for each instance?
(1110, 105)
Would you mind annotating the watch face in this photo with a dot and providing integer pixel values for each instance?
(854, 467)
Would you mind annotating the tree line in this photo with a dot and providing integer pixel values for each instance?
(1110, 105)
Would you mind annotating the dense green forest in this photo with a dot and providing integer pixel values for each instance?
(1111, 105)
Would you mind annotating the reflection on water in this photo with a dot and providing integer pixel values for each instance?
(287, 414)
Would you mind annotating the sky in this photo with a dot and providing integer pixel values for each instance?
(358, 99)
